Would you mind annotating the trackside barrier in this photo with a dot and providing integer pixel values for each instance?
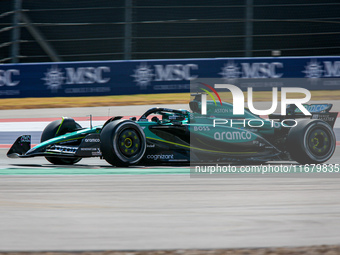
(160, 76)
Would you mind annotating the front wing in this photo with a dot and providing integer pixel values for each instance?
(89, 147)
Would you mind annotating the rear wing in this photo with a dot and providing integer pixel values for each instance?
(312, 108)
(318, 111)
(328, 117)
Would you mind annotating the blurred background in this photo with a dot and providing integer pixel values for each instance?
(63, 30)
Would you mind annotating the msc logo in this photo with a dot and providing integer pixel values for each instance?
(332, 69)
(55, 77)
(145, 74)
(315, 69)
(232, 71)
(7, 77)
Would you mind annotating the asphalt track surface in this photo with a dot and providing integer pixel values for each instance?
(92, 206)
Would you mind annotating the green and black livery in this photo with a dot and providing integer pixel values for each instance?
(170, 136)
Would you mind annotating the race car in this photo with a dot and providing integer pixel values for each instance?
(171, 136)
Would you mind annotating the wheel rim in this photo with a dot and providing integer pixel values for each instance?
(319, 142)
(129, 142)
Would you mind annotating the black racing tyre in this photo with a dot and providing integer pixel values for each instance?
(52, 130)
(122, 143)
(311, 142)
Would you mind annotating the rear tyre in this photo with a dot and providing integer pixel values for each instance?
(53, 130)
(122, 143)
(311, 142)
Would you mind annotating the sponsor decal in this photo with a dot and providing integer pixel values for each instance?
(144, 74)
(176, 117)
(56, 77)
(201, 128)
(92, 140)
(332, 69)
(329, 117)
(314, 108)
(171, 87)
(234, 135)
(9, 77)
(175, 72)
(160, 156)
(96, 153)
(87, 90)
(222, 110)
(87, 75)
(143, 120)
(89, 149)
(231, 71)
(261, 70)
(325, 117)
(90, 152)
(25, 139)
(315, 70)
(9, 92)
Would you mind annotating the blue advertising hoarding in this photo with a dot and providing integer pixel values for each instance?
(66, 79)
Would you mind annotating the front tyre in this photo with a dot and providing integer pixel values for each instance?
(311, 142)
(57, 128)
(122, 143)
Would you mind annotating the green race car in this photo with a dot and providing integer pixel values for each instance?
(170, 136)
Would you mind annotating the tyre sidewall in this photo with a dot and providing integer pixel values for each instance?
(331, 134)
(109, 143)
(297, 142)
